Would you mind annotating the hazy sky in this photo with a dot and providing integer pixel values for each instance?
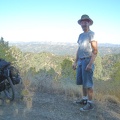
(56, 20)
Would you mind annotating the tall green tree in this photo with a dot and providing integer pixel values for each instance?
(4, 48)
(66, 69)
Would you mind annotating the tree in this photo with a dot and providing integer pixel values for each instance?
(4, 48)
(116, 72)
(66, 68)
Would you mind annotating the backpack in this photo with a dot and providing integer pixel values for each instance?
(3, 64)
(14, 75)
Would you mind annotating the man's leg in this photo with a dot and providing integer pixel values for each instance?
(90, 93)
(85, 91)
(89, 105)
(85, 97)
(88, 83)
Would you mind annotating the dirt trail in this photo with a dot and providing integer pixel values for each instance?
(45, 106)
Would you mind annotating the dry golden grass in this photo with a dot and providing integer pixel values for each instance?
(103, 90)
(105, 101)
(107, 88)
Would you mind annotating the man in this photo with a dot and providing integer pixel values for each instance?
(84, 63)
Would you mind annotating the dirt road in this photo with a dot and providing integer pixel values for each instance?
(46, 106)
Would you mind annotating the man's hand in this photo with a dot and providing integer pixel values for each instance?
(89, 67)
(74, 66)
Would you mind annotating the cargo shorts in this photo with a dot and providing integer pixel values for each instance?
(84, 77)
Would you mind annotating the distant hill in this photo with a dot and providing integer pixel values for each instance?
(63, 48)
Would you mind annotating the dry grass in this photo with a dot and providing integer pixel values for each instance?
(103, 90)
(105, 102)
(107, 88)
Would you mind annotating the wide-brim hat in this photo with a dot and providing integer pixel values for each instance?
(85, 17)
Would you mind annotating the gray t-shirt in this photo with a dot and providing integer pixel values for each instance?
(84, 41)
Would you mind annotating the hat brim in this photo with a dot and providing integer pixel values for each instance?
(79, 21)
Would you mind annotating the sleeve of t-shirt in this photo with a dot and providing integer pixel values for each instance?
(93, 37)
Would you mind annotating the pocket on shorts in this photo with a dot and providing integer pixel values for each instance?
(87, 62)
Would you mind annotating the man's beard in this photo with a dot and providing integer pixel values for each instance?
(84, 26)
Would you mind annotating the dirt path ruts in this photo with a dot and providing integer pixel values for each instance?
(45, 106)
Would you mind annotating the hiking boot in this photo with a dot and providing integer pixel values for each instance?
(82, 102)
(87, 107)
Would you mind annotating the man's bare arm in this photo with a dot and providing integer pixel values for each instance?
(94, 54)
